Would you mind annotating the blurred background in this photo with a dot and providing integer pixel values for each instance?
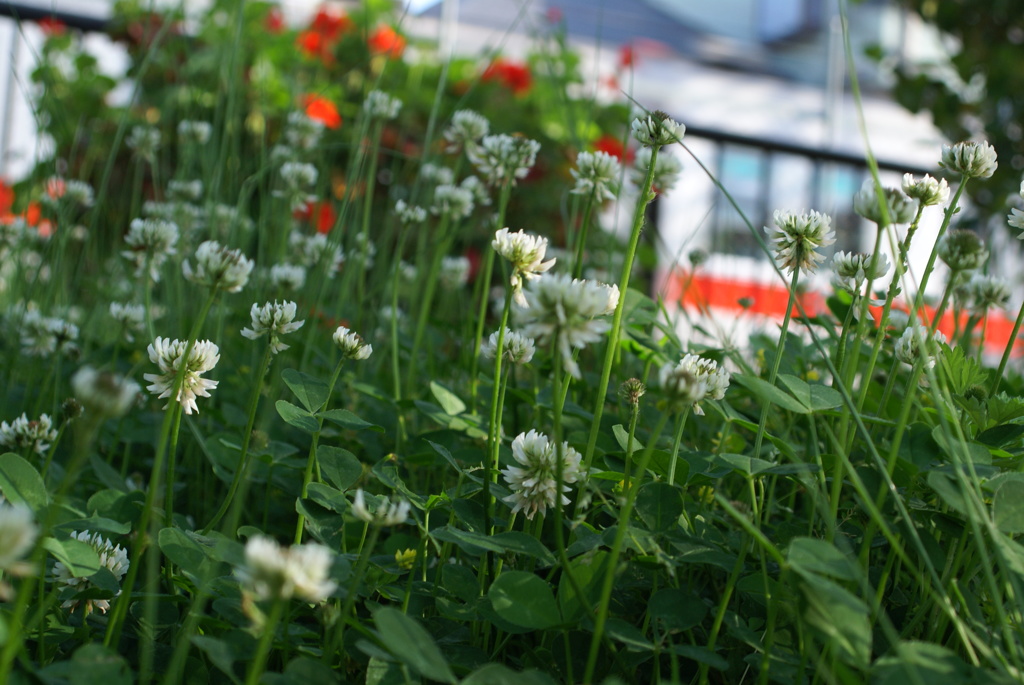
(763, 87)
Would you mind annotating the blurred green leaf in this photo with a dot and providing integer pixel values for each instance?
(312, 392)
(411, 644)
(21, 483)
(524, 599)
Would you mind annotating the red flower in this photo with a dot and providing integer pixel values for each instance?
(322, 109)
(312, 43)
(274, 21)
(554, 15)
(627, 56)
(321, 214)
(330, 25)
(515, 76)
(614, 147)
(6, 199)
(386, 41)
(52, 26)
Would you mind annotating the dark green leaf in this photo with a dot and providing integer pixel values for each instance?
(525, 600)
(411, 644)
(339, 466)
(296, 416)
(346, 419)
(810, 555)
(497, 674)
(20, 483)
(79, 557)
(622, 437)
(312, 392)
(767, 392)
(659, 505)
(1008, 507)
(91, 664)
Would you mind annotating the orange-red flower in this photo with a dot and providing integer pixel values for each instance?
(627, 57)
(515, 76)
(6, 199)
(330, 25)
(386, 41)
(273, 22)
(52, 26)
(320, 214)
(322, 109)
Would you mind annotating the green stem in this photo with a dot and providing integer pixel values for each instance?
(675, 446)
(613, 335)
(259, 662)
(577, 267)
(776, 362)
(1006, 352)
(243, 459)
(307, 476)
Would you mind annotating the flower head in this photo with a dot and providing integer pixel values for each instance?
(194, 132)
(303, 132)
(18, 533)
(525, 253)
(517, 348)
(657, 129)
(913, 346)
(112, 557)
(41, 335)
(103, 393)
(22, 434)
(667, 169)
(150, 242)
(467, 128)
(288, 276)
(144, 141)
(410, 214)
(454, 272)
(927, 190)
(185, 191)
(693, 379)
(219, 267)
(796, 237)
(351, 345)
(275, 320)
(382, 511)
(850, 271)
(451, 200)
(502, 159)
(380, 105)
(962, 250)
(273, 572)
(901, 209)
(973, 160)
(564, 311)
(167, 354)
(534, 483)
(596, 173)
(988, 292)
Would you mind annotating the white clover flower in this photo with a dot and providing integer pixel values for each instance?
(194, 132)
(219, 267)
(274, 572)
(1016, 219)
(796, 237)
(150, 243)
(454, 272)
(596, 173)
(973, 160)
(388, 512)
(288, 276)
(275, 320)
(185, 190)
(187, 216)
(351, 345)
(380, 105)
(467, 128)
(692, 380)
(988, 292)
(312, 249)
(112, 557)
(518, 348)
(564, 311)
(41, 336)
(534, 484)
(22, 434)
(408, 272)
(303, 132)
(666, 170)
(481, 195)
(102, 393)
(228, 216)
(18, 533)
(453, 201)
(71, 192)
(850, 271)
(410, 214)
(439, 175)
(167, 354)
(912, 346)
(962, 250)
(298, 178)
(613, 297)
(502, 159)
(657, 129)
(902, 209)
(144, 141)
(927, 190)
(132, 318)
(525, 252)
